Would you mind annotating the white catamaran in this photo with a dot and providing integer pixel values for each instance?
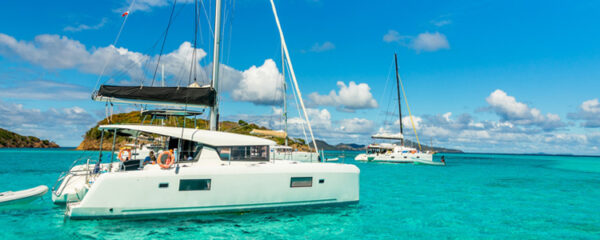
(392, 152)
(196, 170)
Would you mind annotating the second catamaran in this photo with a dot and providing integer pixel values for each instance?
(392, 152)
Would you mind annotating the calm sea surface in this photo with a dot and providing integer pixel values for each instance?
(477, 196)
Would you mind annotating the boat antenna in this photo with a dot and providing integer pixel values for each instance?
(214, 110)
(399, 104)
(285, 117)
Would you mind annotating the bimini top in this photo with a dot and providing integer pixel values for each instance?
(193, 96)
(211, 138)
(396, 136)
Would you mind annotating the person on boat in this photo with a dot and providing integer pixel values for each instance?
(443, 160)
(150, 158)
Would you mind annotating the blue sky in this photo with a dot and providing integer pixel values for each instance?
(486, 76)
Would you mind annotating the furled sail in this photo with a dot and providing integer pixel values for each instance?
(396, 136)
(193, 95)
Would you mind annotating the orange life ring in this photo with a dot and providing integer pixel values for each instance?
(413, 151)
(168, 162)
(121, 154)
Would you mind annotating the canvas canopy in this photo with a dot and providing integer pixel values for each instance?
(201, 96)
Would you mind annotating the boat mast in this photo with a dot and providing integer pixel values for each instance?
(399, 105)
(214, 110)
(291, 69)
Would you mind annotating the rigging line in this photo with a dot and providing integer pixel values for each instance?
(230, 30)
(212, 33)
(387, 80)
(299, 114)
(163, 44)
(148, 51)
(291, 69)
(114, 44)
(409, 114)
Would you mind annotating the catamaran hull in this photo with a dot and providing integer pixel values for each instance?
(74, 185)
(232, 188)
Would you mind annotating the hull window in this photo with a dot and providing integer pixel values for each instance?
(301, 182)
(163, 185)
(194, 184)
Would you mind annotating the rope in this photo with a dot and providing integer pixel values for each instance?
(163, 44)
(300, 116)
(114, 45)
(409, 114)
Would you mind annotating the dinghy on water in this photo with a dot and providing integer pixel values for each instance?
(23, 196)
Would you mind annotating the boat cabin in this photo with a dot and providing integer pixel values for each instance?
(188, 145)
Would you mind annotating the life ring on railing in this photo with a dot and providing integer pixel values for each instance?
(123, 157)
(168, 162)
(413, 151)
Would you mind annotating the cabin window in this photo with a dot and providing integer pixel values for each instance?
(194, 184)
(163, 185)
(301, 182)
(244, 153)
(189, 150)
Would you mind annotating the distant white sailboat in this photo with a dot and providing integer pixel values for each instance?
(392, 152)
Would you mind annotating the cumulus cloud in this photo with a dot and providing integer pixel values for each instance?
(428, 42)
(356, 125)
(261, 85)
(349, 98)
(589, 113)
(510, 110)
(322, 47)
(392, 36)
(60, 52)
(468, 134)
(44, 90)
(62, 125)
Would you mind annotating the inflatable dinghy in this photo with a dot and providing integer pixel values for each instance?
(22, 196)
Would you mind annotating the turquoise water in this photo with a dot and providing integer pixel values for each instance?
(477, 196)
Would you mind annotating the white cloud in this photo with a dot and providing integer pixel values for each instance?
(44, 90)
(510, 110)
(392, 36)
(64, 125)
(589, 113)
(82, 27)
(261, 85)
(349, 98)
(429, 42)
(356, 125)
(467, 134)
(322, 47)
(56, 52)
